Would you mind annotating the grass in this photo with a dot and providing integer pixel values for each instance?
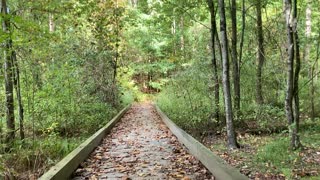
(29, 159)
(276, 153)
(276, 157)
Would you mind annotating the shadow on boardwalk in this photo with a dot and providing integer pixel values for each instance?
(140, 146)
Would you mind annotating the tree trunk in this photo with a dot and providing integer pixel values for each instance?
(290, 63)
(214, 58)
(242, 31)
(51, 23)
(314, 74)
(182, 41)
(18, 93)
(8, 74)
(295, 139)
(292, 94)
(307, 57)
(232, 141)
(236, 72)
(174, 29)
(134, 3)
(261, 55)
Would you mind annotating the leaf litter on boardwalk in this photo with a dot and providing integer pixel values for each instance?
(141, 147)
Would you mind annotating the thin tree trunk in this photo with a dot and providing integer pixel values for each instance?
(289, 90)
(261, 55)
(18, 93)
(214, 58)
(313, 76)
(236, 72)
(51, 23)
(242, 32)
(174, 29)
(134, 3)
(8, 74)
(116, 60)
(232, 141)
(295, 139)
(182, 41)
(307, 57)
(292, 92)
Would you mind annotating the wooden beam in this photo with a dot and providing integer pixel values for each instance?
(65, 168)
(217, 166)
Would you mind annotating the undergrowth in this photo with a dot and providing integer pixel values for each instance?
(262, 130)
(33, 157)
(269, 155)
(53, 138)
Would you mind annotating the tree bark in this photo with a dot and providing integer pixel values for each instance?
(8, 75)
(292, 92)
(236, 72)
(307, 57)
(174, 30)
(290, 63)
(314, 75)
(261, 55)
(295, 139)
(18, 93)
(242, 32)
(182, 41)
(232, 141)
(214, 58)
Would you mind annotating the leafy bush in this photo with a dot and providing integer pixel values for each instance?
(190, 106)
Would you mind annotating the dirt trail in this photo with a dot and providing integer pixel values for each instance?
(141, 147)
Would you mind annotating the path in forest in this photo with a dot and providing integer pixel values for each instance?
(140, 146)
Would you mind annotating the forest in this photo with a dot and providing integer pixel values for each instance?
(241, 76)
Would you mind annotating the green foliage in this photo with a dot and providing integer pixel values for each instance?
(268, 117)
(310, 135)
(189, 106)
(67, 78)
(36, 155)
(160, 84)
(128, 87)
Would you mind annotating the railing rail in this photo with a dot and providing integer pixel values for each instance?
(217, 166)
(64, 169)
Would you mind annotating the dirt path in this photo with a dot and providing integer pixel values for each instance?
(141, 147)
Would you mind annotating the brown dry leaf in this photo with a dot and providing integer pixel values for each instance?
(135, 152)
(144, 165)
(125, 178)
(186, 178)
(88, 169)
(93, 178)
(178, 175)
(133, 136)
(98, 157)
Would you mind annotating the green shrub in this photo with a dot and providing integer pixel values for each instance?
(187, 99)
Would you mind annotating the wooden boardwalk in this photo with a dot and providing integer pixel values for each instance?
(141, 146)
(141, 142)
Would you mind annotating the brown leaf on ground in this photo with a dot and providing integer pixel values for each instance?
(141, 146)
